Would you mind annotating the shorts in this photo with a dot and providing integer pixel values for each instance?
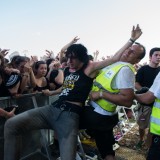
(144, 116)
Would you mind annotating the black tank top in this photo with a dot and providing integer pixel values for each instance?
(76, 86)
(40, 88)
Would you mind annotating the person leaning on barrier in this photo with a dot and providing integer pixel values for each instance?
(63, 115)
(113, 86)
(40, 71)
(153, 95)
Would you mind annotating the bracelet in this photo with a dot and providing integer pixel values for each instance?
(101, 94)
(131, 40)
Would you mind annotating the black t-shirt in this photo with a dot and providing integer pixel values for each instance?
(3, 90)
(76, 86)
(146, 75)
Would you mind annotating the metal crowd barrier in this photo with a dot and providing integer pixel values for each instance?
(30, 143)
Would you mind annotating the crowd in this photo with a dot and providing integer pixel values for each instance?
(80, 80)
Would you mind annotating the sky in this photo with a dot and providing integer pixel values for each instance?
(31, 26)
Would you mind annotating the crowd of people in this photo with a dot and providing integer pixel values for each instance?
(89, 91)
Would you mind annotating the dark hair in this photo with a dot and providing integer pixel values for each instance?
(16, 60)
(144, 51)
(79, 51)
(91, 58)
(2, 60)
(48, 62)
(6, 60)
(38, 63)
(36, 66)
(153, 50)
(64, 59)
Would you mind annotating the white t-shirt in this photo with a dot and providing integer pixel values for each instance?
(155, 88)
(124, 79)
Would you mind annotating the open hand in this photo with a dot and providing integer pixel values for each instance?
(136, 32)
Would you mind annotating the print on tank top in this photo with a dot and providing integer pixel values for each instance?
(69, 84)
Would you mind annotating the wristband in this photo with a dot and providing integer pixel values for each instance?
(131, 40)
(101, 94)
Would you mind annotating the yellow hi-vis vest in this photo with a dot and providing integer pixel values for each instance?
(103, 82)
(155, 118)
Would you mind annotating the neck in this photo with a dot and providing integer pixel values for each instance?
(153, 65)
(38, 76)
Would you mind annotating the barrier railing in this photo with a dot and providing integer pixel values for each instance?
(32, 141)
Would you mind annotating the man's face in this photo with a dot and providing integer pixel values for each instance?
(132, 54)
(74, 63)
(155, 58)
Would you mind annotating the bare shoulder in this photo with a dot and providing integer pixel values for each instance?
(89, 70)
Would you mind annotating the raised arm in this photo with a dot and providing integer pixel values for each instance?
(61, 54)
(135, 34)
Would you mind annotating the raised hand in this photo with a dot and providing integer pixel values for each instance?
(75, 39)
(4, 52)
(50, 54)
(34, 58)
(136, 32)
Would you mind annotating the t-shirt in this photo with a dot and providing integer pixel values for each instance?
(4, 91)
(124, 79)
(146, 75)
(155, 88)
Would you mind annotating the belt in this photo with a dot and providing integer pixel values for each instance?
(66, 106)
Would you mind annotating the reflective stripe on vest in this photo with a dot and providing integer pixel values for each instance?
(103, 82)
(155, 118)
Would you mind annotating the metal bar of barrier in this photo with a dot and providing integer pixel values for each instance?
(21, 96)
(44, 140)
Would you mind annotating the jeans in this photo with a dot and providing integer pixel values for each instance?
(65, 123)
(102, 127)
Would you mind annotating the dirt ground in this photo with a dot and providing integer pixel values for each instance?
(127, 149)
